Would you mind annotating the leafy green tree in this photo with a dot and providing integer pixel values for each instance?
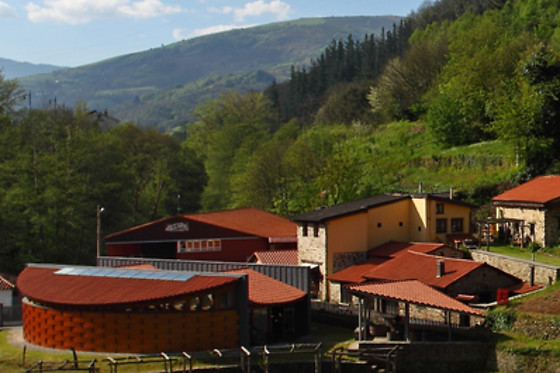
(262, 182)
(346, 104)
(225, 136)
(11, 93)
(397, 93)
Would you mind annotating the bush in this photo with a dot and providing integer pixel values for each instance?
(500, 320)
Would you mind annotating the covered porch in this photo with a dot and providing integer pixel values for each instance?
(410, 311)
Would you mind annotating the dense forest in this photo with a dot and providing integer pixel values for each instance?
(461, 94)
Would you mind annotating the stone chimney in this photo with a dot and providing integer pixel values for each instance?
(440, 268)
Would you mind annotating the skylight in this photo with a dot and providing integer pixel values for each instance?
(125, 273)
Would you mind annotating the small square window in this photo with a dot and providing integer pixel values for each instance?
(400, 223)
(441, 225)
(457, 225)
(439, 208)
(378, 225)
(315, 230)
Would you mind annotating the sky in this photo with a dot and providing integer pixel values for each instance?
(78, 32)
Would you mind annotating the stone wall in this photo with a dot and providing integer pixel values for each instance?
(538, 273)
(312, 249)
(528, 216)
(436, 357)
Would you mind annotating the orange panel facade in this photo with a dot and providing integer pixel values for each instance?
(130, 332)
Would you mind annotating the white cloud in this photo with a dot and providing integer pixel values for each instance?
(83, 11)
(6, 11)
(278, 8)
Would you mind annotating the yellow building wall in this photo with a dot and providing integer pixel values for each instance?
(389, 222)
(419, 220)
(450, 211)
(346, 235)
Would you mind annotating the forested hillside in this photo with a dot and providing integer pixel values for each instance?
(462, 95)
(161, 86)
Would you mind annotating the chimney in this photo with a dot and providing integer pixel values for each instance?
(451, 193)
(440, 268)
(420, 187)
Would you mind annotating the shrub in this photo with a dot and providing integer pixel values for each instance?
(501, 320)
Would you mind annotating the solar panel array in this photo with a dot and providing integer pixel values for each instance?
(125, 273)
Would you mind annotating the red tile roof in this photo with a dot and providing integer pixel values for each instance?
(523, 288)
(423, 267)
(413, 291)
(380, 255)
(355, 274)
(264, 290)
(284, 257)
(43, 285)
(5, 284)
(247, 220)
(541, 189)
(392, 249)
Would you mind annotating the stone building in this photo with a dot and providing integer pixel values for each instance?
(531, 211)
(333, 238)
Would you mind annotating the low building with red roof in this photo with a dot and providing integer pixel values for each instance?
(454, 277)
(278, 312)
(232, 235)
(142, 309)
(459, 278)
(6, 294)
(131, 310)
(377, 256)
(410, 305)
(282, 257)
(531, 210)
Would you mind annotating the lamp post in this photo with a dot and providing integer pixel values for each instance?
(99, 211)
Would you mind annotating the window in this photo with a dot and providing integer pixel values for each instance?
(345, 295)
(441, 225)
(304, 230)
(439, 208)
(378, 225)
(194, 246)
(315, 230)
(400, 223)
(457, 225)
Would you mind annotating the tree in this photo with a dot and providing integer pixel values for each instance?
(226, 134)
(11, 93)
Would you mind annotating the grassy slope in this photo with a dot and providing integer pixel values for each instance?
(406, 151)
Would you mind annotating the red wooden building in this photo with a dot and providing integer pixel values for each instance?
(232, 235)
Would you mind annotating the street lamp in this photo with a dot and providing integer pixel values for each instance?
(99, 211)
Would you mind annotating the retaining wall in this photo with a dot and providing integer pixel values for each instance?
(526, 270)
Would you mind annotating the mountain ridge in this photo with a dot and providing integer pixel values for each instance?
(122, 81)
(12, 69)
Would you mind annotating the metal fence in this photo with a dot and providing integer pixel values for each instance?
(10, 314)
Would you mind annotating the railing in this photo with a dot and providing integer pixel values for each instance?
(385, 355)
(242, 358)
(138, 360)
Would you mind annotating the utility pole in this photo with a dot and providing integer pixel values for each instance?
(99, 211)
